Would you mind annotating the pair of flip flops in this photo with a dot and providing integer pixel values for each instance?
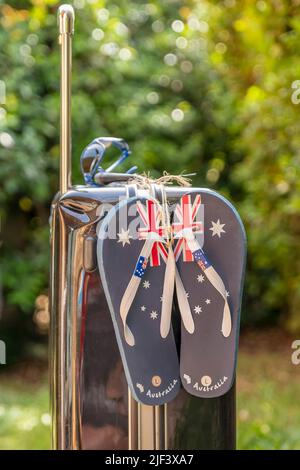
(201, 256)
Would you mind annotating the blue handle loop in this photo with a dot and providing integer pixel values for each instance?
(93, 154)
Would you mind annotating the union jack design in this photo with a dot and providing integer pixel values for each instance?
(201, 259)
(185, 214)
(140, 267)
(151, 216)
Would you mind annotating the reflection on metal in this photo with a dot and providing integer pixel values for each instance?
(90, 404)
(63, 331)
(66, 29)
(132, 423)
(152, 427)
(91, 408)
(146, 427)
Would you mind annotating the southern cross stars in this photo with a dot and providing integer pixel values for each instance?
(200, 278)
(146, 284)
(124, 237)
(153, 315)
(198, 309)
(217, 228)
(143, 308)
(207, 301)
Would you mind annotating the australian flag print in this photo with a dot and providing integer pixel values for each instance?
(141, 266)
(201, 259)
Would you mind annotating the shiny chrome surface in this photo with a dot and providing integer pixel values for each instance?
(90, 403)
(152, 427)
(132, 423)
(66, 18)
(63, 321)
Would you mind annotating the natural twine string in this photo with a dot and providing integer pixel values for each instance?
(144, 181)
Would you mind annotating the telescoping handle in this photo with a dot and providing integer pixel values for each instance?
(66, 18)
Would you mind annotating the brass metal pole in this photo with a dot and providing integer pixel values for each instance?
(146, 425)
(66, 19)
(132, 422)
(61, 439)
(152, 427)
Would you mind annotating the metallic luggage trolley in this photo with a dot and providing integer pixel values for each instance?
(90, 402)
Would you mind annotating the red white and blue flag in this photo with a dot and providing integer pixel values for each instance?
(186, 218)
(140, 267)
(151, 216)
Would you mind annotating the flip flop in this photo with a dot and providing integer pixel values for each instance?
(210, 253)
(138, 272)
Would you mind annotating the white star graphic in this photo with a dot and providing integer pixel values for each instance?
(153, 315)
(146, 284)
(207, 301)
(124, 237)
(198, 309)
(187, 295)
(143, 308)
(227, 293)
(200, 278)
(217, 228)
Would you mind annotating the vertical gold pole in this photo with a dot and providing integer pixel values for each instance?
(132, 422)
(66, 19)
(66, 29)
(165, 430)
(152, 427)
(146, 427)
(160, 425)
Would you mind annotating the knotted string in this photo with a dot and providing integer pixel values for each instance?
(145, 181)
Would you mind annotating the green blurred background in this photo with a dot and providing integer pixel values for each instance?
(194, 86)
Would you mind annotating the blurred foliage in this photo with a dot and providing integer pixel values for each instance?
(192, 86)
(256, 52)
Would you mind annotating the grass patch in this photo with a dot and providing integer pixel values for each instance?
(268, 400)
(268, 394)
(24, 413)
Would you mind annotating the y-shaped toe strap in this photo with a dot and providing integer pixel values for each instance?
(211, 274)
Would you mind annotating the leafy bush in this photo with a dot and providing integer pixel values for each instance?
(192, 86)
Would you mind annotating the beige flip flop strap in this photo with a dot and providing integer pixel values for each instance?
(172, 275)
(168, 291)
(212, 275)
(131, 291)
(167, 296)
(158, 191)
(218, 284)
